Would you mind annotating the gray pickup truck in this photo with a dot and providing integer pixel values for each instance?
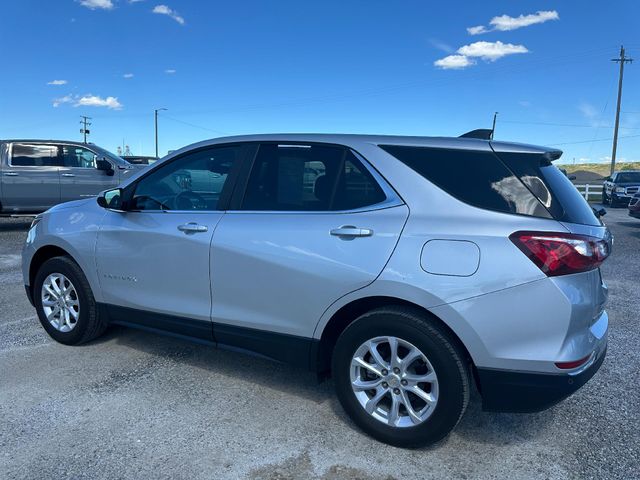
(38, 174)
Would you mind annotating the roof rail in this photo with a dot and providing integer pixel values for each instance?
(481, 133)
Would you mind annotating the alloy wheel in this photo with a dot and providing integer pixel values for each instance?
(394, 381)
(60, 302)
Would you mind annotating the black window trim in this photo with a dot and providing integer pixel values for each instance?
(392, 198)
(227, 189)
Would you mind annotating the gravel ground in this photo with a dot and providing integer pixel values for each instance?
(138, 405)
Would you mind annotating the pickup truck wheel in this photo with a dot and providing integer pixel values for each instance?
(401, 377)
(65, 304)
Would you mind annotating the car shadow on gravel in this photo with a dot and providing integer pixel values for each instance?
(21, 226)
(263, 372)
(476, 426)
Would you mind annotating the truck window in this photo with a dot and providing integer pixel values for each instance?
(23, 155)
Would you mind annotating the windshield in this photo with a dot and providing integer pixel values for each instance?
(628, 177)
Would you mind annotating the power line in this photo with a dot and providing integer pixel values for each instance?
(598, 140)
(551, 124)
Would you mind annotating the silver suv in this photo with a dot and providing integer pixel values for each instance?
(410, 269)
(38, 174)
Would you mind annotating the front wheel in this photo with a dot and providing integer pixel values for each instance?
(401, 377)
(65, 304)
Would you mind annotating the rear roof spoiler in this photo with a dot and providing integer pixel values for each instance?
(480, 133)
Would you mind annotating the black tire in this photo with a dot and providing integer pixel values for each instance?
(90, 323)
(443, 353)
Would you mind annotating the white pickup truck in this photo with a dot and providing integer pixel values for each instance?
(38, 174)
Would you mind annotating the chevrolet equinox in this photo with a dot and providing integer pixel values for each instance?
(410, 269)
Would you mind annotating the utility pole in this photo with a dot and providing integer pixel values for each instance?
(493, 128)
(85, 123)
(156, 125)
(622, 60)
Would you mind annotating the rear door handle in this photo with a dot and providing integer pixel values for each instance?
(351, 231)
(11, 174)
(68, 175)
(192, 227)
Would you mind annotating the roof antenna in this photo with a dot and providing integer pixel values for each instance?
(493, 128)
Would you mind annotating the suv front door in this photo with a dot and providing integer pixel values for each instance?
(30, 181)
(79, 177)
(313, 224)
(153, 259)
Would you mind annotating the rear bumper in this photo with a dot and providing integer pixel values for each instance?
(509, 391)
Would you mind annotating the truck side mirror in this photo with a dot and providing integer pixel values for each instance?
(105, 166)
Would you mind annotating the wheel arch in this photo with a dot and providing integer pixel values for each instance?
(350, 312)
(41, 255)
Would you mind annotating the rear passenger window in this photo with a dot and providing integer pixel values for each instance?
(34, 155)
(309, 178)
(474, 177)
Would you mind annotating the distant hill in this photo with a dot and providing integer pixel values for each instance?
(593, 172)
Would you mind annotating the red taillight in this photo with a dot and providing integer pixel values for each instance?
(561, 253)
(574, 364)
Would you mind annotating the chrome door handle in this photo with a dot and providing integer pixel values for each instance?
(351, 231)
(192, 227)
(68, 175)
(11, 174)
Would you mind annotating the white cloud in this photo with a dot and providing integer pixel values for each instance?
(445, 47)
(165, 10)
(504, 23)
(453, 62)
(588, 110)
(93, 4)
(88, 101)
(128, 75)
(477, 30)
(96, 101)
(491, 51)
(170, 71)
(59, 101)
(488, 51)
(57, 82)
(524, 103)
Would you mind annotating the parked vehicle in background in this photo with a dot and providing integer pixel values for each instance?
(634, 206)
(38, 174)
(619, 188)
(405, 267)
(139, 159)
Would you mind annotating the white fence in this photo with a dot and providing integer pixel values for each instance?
(590, 191)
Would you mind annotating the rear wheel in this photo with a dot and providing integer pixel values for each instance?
(65, 304)
(401, 377)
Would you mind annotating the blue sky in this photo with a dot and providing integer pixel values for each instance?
(412, 67)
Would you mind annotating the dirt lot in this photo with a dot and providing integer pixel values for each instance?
(138, 405)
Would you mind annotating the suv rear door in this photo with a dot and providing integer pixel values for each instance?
(308, 224)
(30, 179)
(79, 177)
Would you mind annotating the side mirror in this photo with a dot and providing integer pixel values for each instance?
(105, 166)
(111, 199)
(599, 212)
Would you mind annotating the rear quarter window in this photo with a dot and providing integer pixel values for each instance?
(552, 187)
(475, 177)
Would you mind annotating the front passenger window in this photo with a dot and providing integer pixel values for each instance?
(78, 157)
(192, 182)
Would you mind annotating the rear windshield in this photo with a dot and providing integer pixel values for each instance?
(628, 177)
(474, 177)
(551, 186)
